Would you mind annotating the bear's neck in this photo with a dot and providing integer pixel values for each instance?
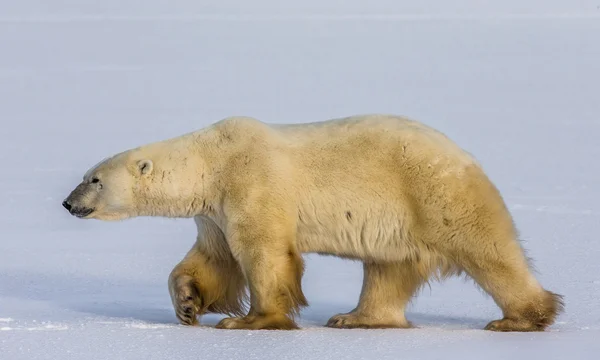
(182, 182)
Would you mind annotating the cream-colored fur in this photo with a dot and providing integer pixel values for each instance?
(386, 190)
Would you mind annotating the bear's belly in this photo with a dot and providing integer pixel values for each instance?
(350, 235)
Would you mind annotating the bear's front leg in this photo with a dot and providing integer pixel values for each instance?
(185, 297)
(273, 268)
(207, 279)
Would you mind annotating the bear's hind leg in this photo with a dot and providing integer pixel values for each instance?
(387, 289)
(505, 275)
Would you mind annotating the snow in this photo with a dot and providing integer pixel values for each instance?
(516, 83)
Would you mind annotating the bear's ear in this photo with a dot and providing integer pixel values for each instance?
(145, 167)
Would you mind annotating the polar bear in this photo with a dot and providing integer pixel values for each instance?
(386, 190)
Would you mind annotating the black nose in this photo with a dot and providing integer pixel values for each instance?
(66, 205)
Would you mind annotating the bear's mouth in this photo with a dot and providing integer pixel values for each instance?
(81, 213)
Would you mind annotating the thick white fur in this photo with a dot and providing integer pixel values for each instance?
(386, 190)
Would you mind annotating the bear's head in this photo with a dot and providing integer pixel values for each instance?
(166, 178)
(111, 190)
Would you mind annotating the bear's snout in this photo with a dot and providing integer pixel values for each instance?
(67, 205)
(77, 211)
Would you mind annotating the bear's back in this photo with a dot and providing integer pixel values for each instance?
(370, 135)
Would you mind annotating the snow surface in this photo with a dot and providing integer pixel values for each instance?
(516, 83)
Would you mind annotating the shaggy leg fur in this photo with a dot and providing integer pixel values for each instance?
(207, 279)
(387, 289)
(480, 238)
(274, 271)
(526, 306)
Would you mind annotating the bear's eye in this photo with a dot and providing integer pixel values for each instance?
(95, 180)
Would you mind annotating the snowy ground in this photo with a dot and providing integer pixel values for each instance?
(516, 83)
